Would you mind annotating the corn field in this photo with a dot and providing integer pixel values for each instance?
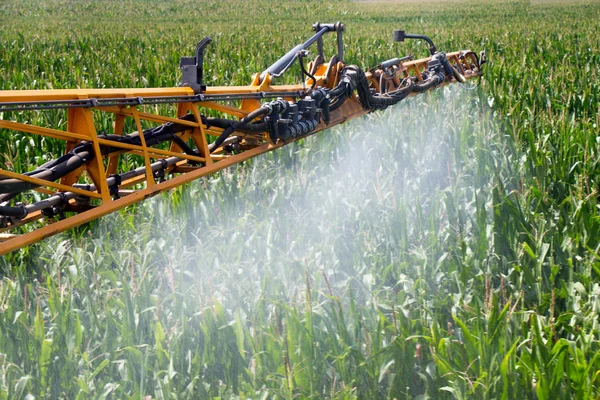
(445, 248)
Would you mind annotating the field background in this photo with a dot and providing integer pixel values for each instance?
(446, 248)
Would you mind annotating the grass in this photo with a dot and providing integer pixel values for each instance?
(445, 248)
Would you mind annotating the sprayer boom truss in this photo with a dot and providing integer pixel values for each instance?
(176, 141)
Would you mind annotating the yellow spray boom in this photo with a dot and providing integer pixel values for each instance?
(89, 181)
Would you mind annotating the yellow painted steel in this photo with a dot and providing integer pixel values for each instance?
(81, 127)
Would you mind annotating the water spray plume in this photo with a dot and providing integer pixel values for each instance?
(376, 192)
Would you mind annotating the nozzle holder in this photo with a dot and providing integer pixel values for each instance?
(400, 35)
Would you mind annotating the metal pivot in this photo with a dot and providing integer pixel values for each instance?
(191, 68)
(338, 28)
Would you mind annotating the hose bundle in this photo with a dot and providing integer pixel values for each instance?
(280, 118)
(354, 78)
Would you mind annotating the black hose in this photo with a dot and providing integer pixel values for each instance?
(6, 197)
(320, 96)
(276, 106)
(236, 125)
(342, 91)
(15, 212)
(225, 123)
(183, 145)
(305, 72)
(15, 186)
(83, 153)
(354, 78)
(433, 81)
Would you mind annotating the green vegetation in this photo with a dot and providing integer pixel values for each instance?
(445, 248)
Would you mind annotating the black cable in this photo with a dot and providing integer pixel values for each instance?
(305, 72)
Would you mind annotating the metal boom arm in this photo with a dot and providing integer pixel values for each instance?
(89, 180)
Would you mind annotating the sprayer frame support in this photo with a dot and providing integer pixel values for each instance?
(85, 192)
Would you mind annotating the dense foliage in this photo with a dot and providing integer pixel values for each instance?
(445, 248)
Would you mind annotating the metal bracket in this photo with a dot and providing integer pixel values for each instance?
(191, 68)
(339, 28)
(482, 58)
(399, 36)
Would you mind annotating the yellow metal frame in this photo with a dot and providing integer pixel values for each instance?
(81, 127)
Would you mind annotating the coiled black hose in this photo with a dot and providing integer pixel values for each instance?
(353, 78)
